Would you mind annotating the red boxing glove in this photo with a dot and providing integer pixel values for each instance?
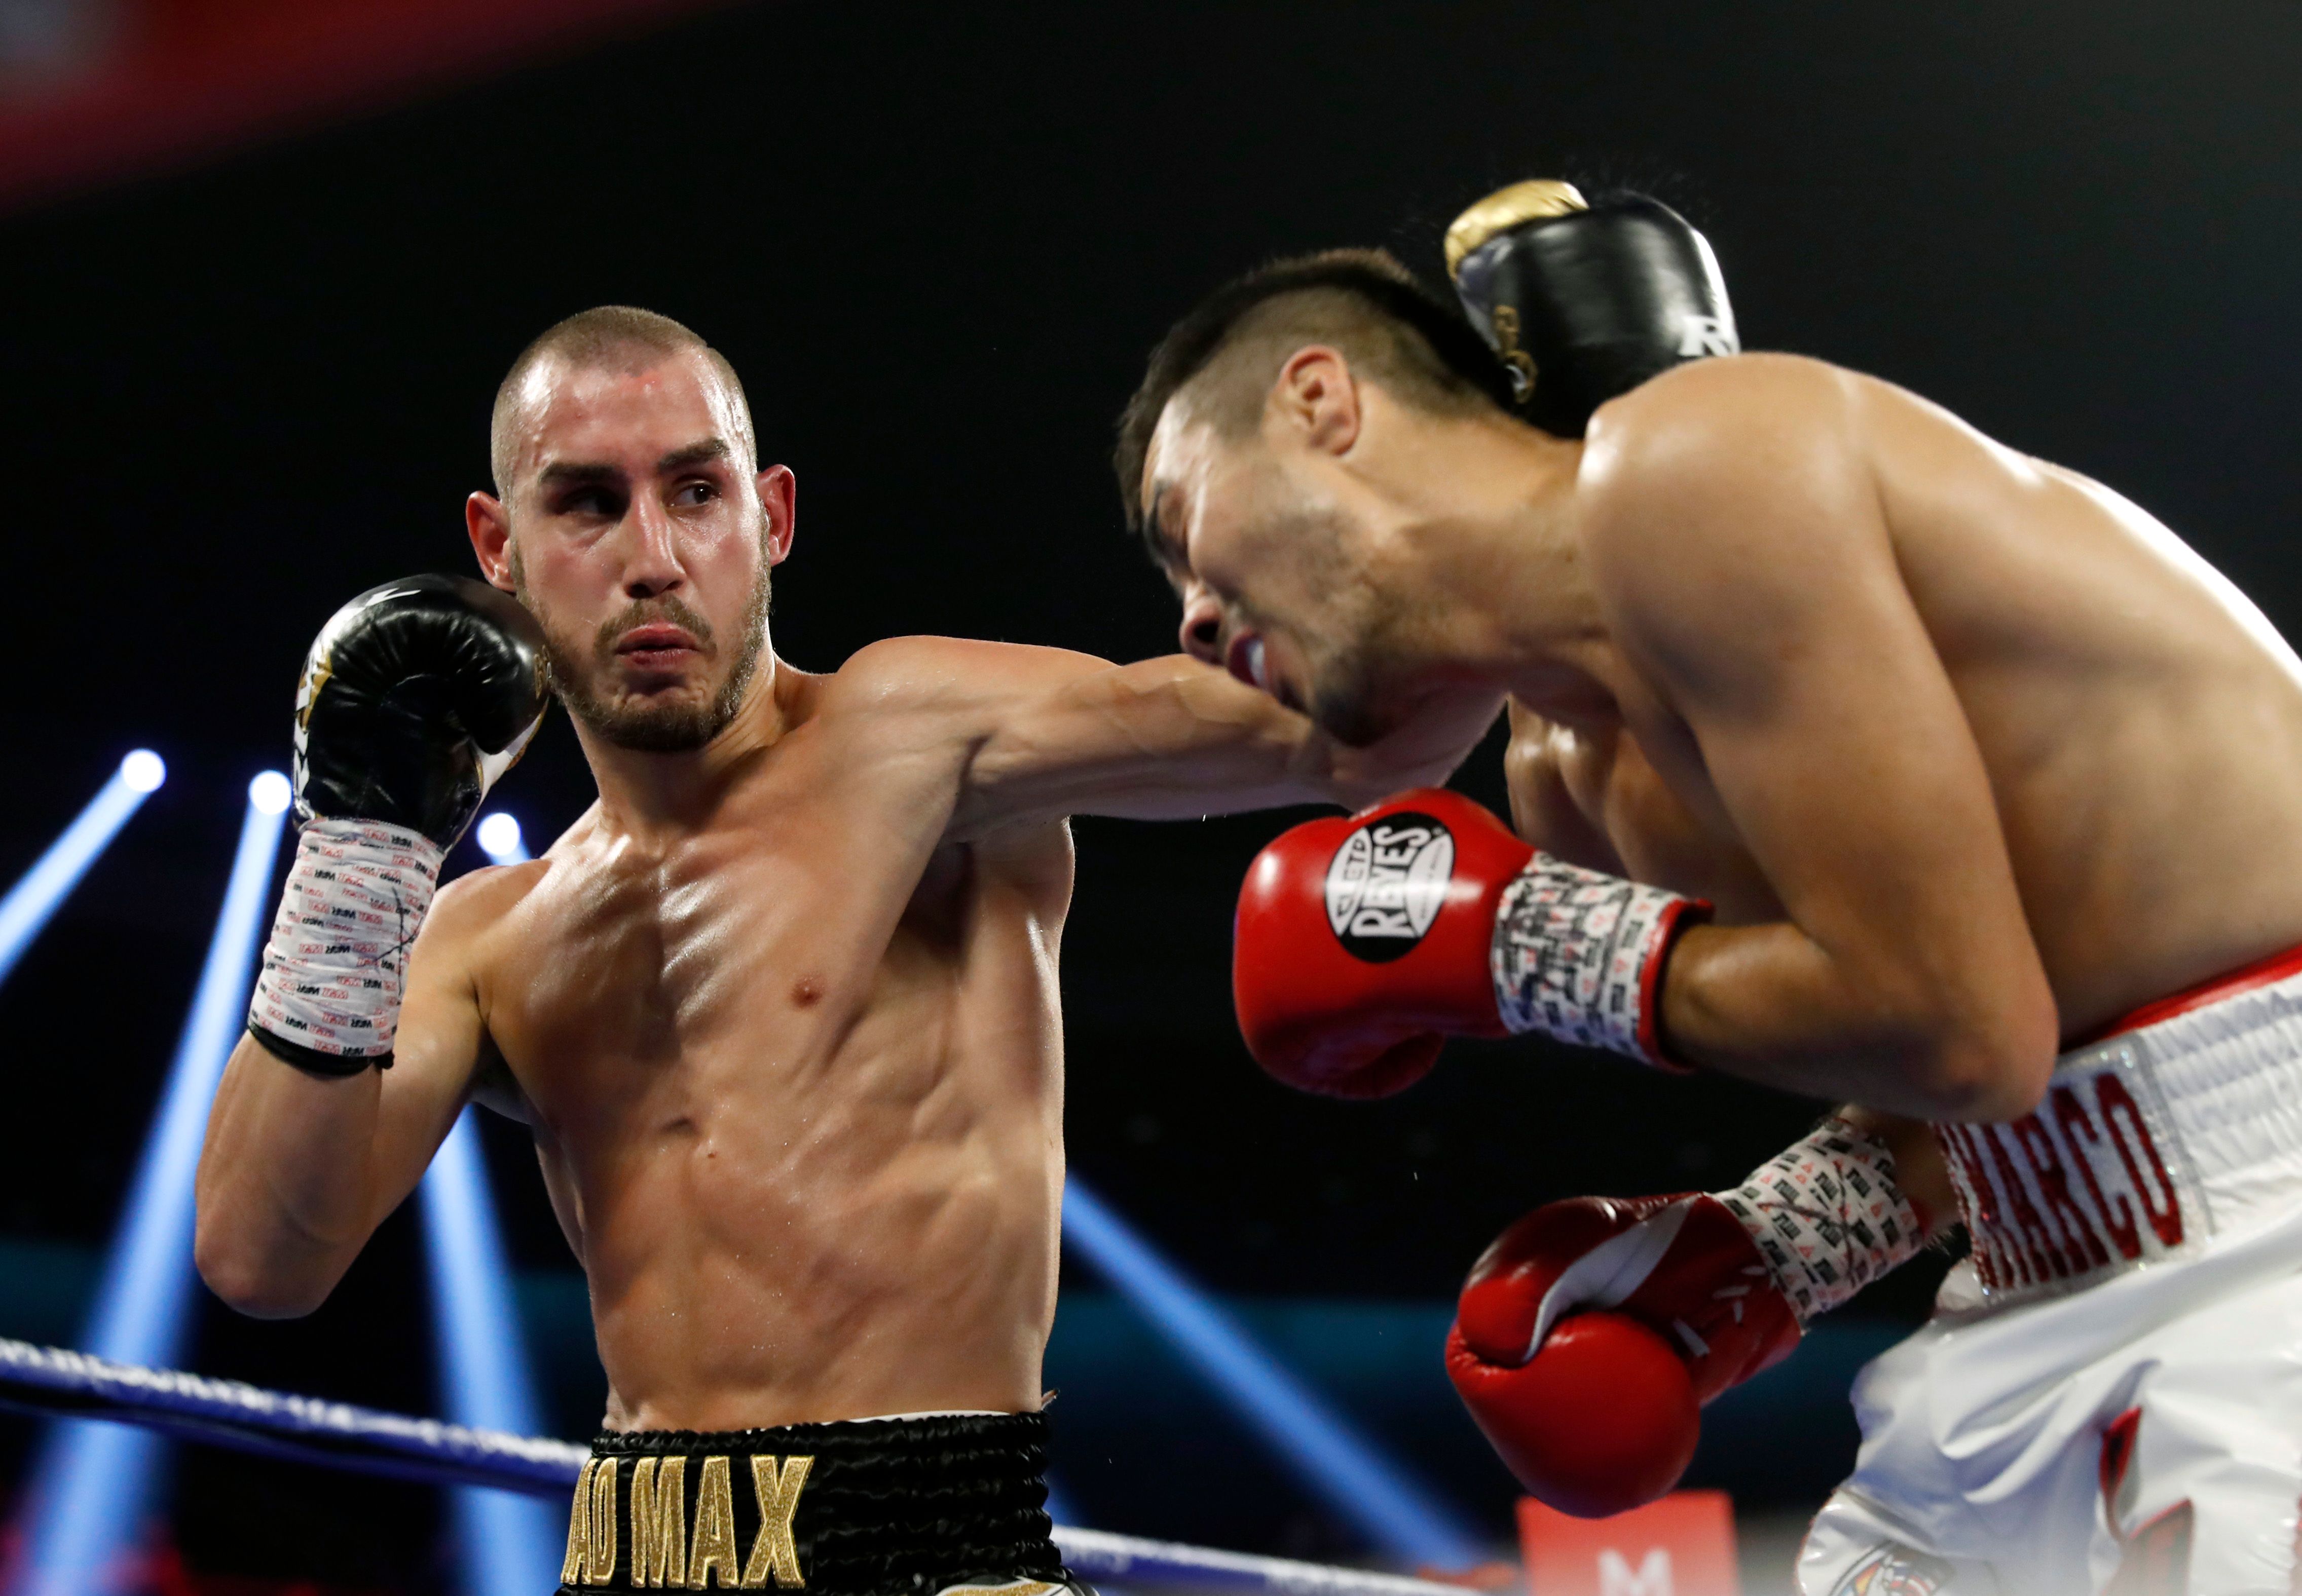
(1361, 942)
(1606, 1419)
(1596, 1412)
(1724, 1283)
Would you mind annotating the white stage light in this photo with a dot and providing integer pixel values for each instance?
(500, 840)
(143, 770)
(270, 792)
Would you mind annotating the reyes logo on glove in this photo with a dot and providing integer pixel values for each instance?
(1387, 883)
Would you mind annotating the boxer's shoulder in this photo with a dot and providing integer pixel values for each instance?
(477, 901)
(1729, 475)
(910, 690)
(1698, 419)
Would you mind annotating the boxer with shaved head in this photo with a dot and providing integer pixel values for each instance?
(1855, 754)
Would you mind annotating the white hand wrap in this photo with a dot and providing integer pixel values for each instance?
(1578, 956)
(336, 969)
(1827, 1217)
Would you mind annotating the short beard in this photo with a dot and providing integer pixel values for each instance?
(1353, 636)
(650, 728)
(1346, 699)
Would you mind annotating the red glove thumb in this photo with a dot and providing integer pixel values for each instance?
(1603, 1419)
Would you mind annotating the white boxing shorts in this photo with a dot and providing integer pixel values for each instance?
(2108, 1399)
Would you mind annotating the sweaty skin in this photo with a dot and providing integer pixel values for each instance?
(781, 1011)
(1596, 801)
(1975, 753)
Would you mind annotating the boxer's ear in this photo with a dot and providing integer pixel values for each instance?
(490, 528)
(779, 504)
(1316, 399)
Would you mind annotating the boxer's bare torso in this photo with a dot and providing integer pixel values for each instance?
(2140, 723)
(795, 1077)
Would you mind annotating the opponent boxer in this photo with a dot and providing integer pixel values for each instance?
(780, 1008)
(1868, 758)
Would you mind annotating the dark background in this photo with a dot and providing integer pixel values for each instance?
(937, 244)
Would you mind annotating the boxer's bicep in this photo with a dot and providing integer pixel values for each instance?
(436, 1054)
(1159, 740)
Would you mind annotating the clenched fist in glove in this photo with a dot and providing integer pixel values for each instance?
(1591, 1332)
(1361, 942)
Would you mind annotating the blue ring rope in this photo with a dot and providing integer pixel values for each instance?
(50, 1383)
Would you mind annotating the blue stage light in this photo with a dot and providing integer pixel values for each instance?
(55, 873)
(271, 793)
(509, 1545)
(1343, 1468)
(500, 840)
(92, 1482)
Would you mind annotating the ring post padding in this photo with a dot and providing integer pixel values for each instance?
(51, 1383)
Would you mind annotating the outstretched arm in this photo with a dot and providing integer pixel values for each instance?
(1061, 733)
(299, 1170)
(1739, 543)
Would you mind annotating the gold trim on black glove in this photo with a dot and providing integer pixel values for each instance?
(1531, 201)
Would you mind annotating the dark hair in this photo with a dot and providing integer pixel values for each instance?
(1362, 301)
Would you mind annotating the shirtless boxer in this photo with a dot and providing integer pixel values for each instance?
(1868, 758)
(780, 1008)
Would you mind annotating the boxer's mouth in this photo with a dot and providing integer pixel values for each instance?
(657, 646)
(1246, 659)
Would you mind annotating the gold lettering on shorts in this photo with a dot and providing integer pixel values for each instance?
(579, 1526)
(713, 1549)
(773, 1551)
(659, 1522)
(599, 1540)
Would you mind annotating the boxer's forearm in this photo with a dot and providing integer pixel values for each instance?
(1767, 1004)
(287, 1182)
(1920, 1170)
(1159, 740)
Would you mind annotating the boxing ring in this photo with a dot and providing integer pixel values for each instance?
(52, 1383)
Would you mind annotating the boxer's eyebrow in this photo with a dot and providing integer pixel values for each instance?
(694, 453)
(561, 474)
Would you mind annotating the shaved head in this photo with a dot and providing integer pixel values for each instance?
(620, 337)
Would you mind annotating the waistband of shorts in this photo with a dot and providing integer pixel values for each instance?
(2231, 984)
(2180, 1122)
(857, 1507)
(2226, 1059)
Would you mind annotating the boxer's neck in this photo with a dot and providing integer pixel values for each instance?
(645, 794)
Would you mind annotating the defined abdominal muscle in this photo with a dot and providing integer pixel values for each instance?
(734, 1294)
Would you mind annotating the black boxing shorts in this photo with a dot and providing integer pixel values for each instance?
(883, 1507)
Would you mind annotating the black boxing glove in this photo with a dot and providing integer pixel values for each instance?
(1585, 301)
(416, 696)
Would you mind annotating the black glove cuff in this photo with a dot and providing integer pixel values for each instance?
(327, 1066)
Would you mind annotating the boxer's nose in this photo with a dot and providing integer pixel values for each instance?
(1202, 629)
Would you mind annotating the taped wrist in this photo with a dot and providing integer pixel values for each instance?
(335, 970)
(1827, 1217)
(1578, 955)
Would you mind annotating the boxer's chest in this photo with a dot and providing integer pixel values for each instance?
(1661, 838)
(743, 953)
